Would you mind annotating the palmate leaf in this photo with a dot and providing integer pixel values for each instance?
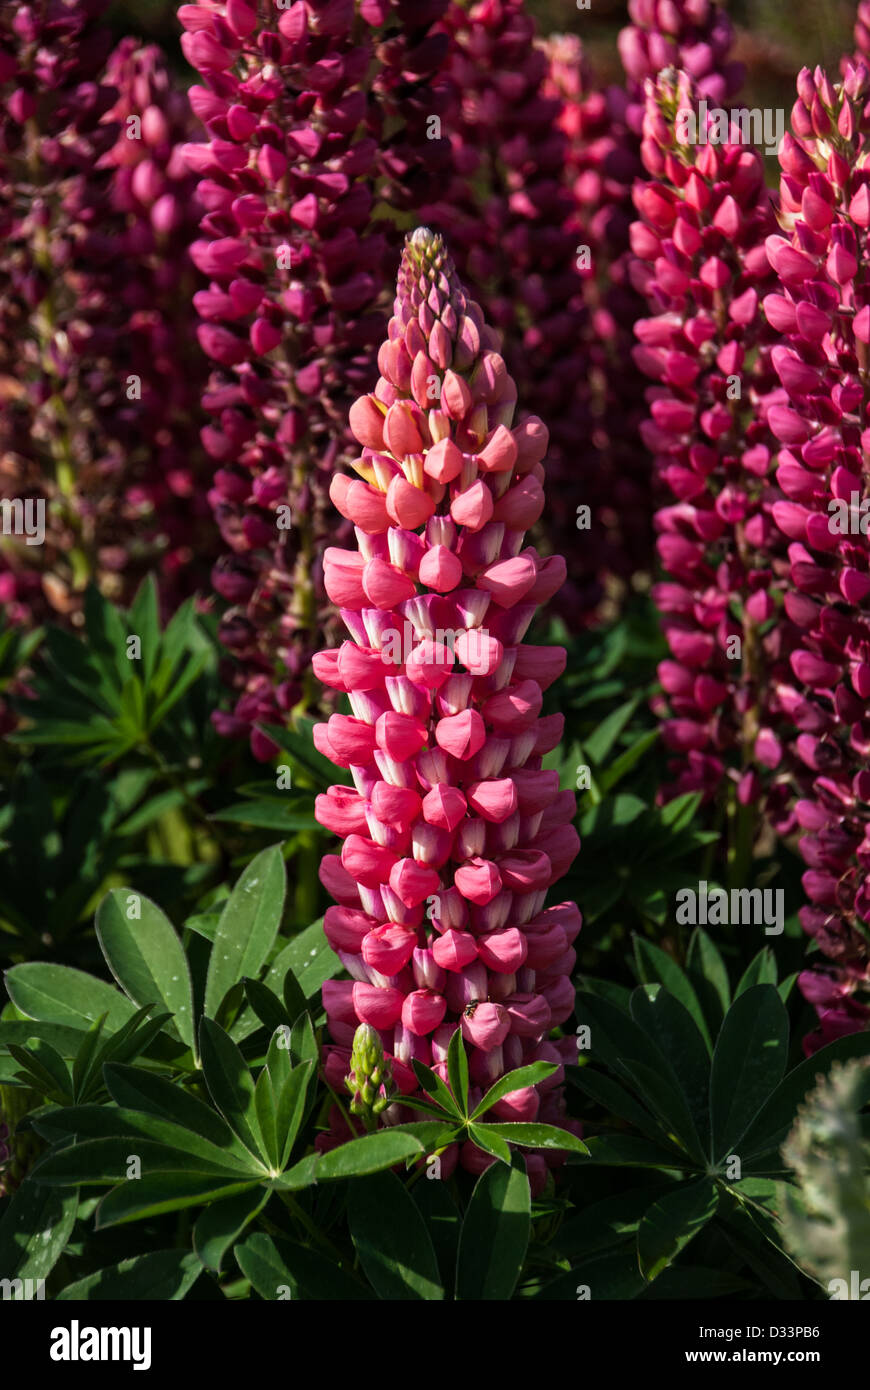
(131, 1088)
(658, 1086)
(34, 1230)
(74, 663)
(231, 1086)
(655, 964)
(359, 1157)
(279, 1269)
(391, 1240)
(106, 1162)
(671, 1222)
(433, 1085)
(629, 1051)
(495, 1234)
(220, 1225)
(159, 1193)
(514, 1081)
(486, 1138)
(43, 1069)
(535, 1136)
(291, 1101)
(617, 1101)
(268, 814)
(248, 926)
(146, 957)
(674, 1030)
(106, 1125)
(748, 1064)
(164, 1275)
(770, 1126)
(60, 994)
(457, 1070)
(103, 699)
(627, 1151)
(310, 959)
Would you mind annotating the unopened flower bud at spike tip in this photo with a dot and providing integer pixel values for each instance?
(422, 238)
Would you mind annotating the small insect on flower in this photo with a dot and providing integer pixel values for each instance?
(470, 1008)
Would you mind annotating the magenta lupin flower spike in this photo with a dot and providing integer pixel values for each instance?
(704, 215)
(602, 161)
(821, 309)
(99, 384)
(315, 114)
(521, 246)
(453, 831)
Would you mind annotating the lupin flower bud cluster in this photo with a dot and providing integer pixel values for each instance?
(700, 244)
(453, 831)
(821, 310)
(314, 113)
(369, 1080)
(694, 36)
(98, 381)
